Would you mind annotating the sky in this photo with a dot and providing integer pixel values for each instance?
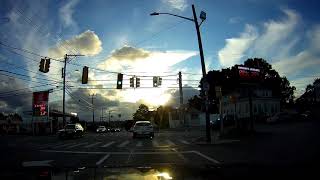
(121, 37)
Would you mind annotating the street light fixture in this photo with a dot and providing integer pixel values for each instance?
(203, 17)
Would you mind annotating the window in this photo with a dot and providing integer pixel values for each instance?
(194, 116)
(255, 108)
(247, 108)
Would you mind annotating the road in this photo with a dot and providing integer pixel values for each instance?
(294, 144)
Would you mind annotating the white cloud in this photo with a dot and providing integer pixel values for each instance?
(141, 62)
(180, 5)
(86, 43)
(236, 47)
(276, 33)
(66, 13)
(277, 43)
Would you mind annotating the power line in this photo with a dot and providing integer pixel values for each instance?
(1, 93)
(21, 78)
(28, 76)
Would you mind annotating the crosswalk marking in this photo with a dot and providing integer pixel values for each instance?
(91, 145)
(80, 144)
(108, 144)
(155, 143)
(64, 145)
(123, 144)
(184, 142)
(170, 143)
(139, 144)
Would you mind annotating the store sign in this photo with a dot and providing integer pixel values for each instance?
(40, 103)
(246, 73)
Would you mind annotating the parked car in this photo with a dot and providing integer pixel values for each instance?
(101, 129)
(71, 130)
(305, 115)
(143, 128)
(279, 117)
(115, 129)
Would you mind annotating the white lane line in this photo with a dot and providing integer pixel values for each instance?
(80, 144)
(155, 143)
(184, 142)
(180, 155)
(170, 142)
(108, 144)
(206, 157)
(91, 145)
(64, 145)
(123, 144)
(102, 159)
(139, 144)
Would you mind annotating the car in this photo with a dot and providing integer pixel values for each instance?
(279, 117)
(143, 128)
(71, 130)
(115, 130)
(101, 129)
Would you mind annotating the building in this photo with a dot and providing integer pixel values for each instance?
(264, 103)
(190, 117)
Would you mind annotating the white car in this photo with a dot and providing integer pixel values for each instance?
(101, 129)
(143, 128)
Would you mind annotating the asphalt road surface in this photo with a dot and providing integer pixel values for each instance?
(293, 145)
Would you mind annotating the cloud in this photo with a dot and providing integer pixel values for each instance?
(86, 43)
(10, 102)
(130, 53)
(236, 47)
(180, 5)
(276, 33)
(66, 13)
(140, 60)
(282, 44)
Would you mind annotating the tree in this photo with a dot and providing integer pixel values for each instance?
(228, 79)
(142, 113)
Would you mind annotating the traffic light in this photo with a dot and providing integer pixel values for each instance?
(132, 82)
(44, 65)
(137, 82)
(85, 72)
(155, 81)
(119, 81)
(159, 81)
(41, 66)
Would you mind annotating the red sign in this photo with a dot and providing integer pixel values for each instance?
(247, 73)
(40, 103)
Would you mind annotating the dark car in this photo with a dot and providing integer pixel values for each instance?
(71, 130)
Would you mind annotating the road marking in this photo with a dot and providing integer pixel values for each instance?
(139, 144)
(170, 142)
(108, 144)
(80, 144)
(123, 144)
(180, 155)
(91, 145)
(206, 157)
(64, 145)
(136, 152)
(102, 159)
(184, 142)
(155, 143)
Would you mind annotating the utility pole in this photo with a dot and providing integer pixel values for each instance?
(101, 114)
(66, 57)
(181, 97)
(92, 96)
(204, 74)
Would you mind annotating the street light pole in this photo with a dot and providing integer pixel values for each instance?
(204, 74)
